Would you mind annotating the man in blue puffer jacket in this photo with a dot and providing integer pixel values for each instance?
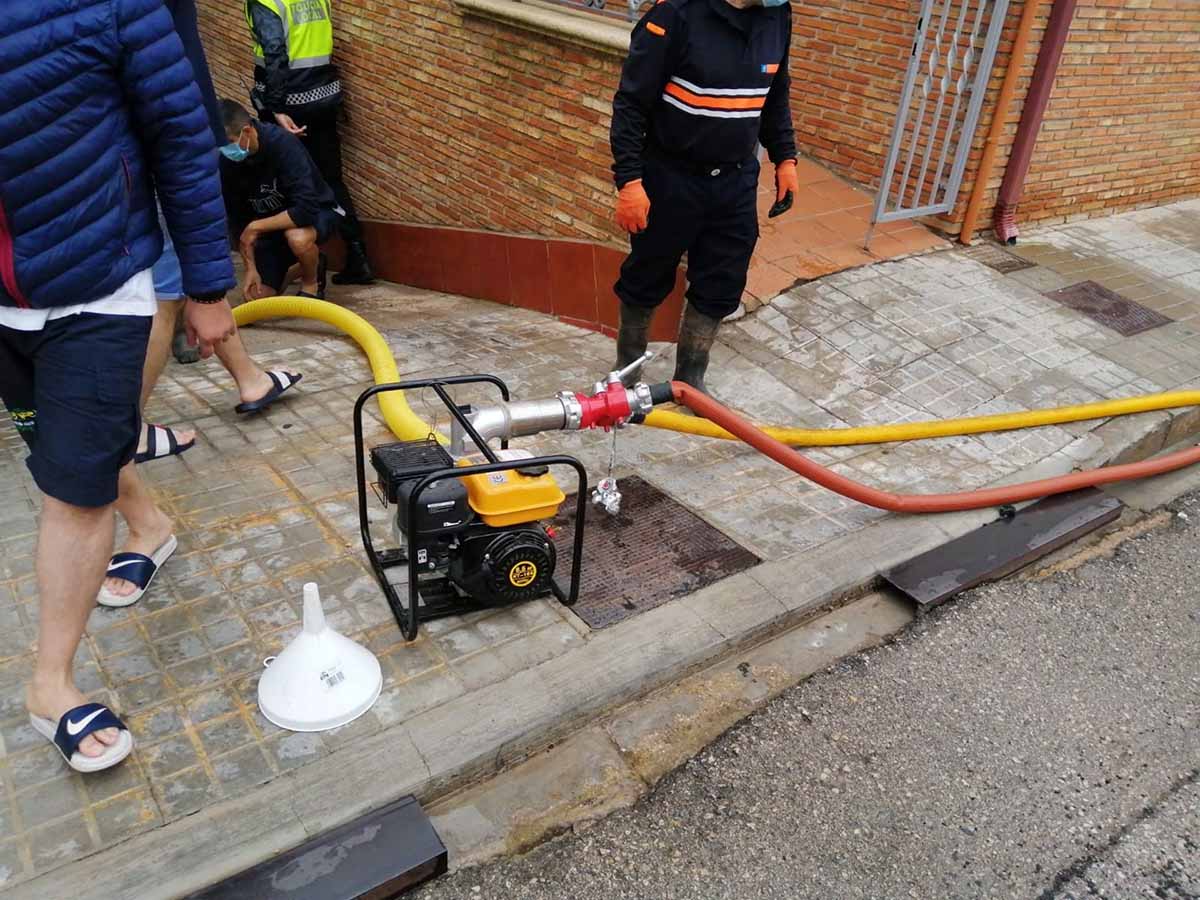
(98, 110)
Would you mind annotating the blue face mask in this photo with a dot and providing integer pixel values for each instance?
(234, 151)
(770, 3)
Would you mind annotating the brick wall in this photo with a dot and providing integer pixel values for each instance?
(456, 120)
(1123, 125)
(465, 122)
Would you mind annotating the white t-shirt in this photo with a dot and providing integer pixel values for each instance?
(134, 298)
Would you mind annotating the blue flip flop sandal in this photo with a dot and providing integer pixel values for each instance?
(76, 725)
(280, 382)
(161, 443)
(139, 570)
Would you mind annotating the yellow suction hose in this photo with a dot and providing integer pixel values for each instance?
(406, 426)
(400, 418)
(915, 431)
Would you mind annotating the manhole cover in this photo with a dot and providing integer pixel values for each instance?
(995, 257)
(1109, 309)
(654, 551)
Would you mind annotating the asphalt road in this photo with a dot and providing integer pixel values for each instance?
(1034, 739)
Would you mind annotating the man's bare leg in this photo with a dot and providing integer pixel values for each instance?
(252, 382)
(66, 597)
(303, 244)
(149, 526)
(162, 332)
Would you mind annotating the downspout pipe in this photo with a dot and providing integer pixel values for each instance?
(1016, 61)
(1044, 74)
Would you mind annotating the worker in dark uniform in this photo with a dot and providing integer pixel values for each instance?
(296, 87)
(705, 82)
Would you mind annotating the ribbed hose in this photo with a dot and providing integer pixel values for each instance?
(710, 409)
(400, 418)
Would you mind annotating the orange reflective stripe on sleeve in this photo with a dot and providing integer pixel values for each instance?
(655, 29)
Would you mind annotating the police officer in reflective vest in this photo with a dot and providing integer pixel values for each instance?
(705, 82)
(296, 86)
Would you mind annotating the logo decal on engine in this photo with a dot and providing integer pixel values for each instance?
(522, 574)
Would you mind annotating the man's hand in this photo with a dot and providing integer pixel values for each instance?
(786, 179)
(252, 286)
(633, 207)
(207, 325)
(288, 124)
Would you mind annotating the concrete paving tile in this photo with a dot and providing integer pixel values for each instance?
(39, 765)
(402, 701)
(128, 776)
(184, 793)
(125, 816)
(51, 800)
(12, 866)
(161, 722)
(242, 770)
(17, 735)
(60, 842)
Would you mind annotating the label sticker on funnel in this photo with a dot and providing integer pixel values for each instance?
(333, 677)
(522, 574)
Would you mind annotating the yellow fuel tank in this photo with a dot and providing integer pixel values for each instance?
(512, 497)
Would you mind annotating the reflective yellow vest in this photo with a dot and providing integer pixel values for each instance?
(308, 28)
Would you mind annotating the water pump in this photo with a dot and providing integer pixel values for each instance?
(470, 520)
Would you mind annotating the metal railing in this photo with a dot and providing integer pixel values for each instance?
(948, 69)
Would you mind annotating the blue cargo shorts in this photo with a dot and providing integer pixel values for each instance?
(72, 390)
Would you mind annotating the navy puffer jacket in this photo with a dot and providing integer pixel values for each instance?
(98, 108)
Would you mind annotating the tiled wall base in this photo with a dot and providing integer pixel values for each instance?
(571, 280)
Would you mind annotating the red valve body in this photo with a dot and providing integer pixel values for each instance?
(605, 410)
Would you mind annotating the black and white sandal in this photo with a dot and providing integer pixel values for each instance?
(161, 442)
(281, 381)
(76, 725)
(139, 570)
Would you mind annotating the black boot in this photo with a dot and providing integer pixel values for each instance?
(633, 336)
(696, 336)
(357, 269)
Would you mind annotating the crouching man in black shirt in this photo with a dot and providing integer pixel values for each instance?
(279, 206)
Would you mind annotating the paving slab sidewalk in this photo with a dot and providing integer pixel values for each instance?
(264, 504)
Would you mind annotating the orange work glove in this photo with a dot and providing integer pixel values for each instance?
(786, 179)
(633, 207)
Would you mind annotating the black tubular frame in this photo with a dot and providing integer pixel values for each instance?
(408, 617)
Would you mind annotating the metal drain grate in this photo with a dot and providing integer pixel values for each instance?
(652, 552)
(995, 257)
(1109, 309)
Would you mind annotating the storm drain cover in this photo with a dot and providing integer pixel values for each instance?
(1108, 308)
(653, 551)
(995, 257)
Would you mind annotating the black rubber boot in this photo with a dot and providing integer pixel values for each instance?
(358, 268)
(696, 335)
(633, 336)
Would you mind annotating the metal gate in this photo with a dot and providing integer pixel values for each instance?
(948, 70)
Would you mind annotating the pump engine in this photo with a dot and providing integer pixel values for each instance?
(484, 533)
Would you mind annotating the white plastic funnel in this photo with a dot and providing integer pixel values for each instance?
(321, 679)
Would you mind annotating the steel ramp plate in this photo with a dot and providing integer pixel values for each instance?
(377, 857)
(1002, 547)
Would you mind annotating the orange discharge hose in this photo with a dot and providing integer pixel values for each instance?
(705, 406)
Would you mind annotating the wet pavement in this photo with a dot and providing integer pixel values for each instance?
(264, 504)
